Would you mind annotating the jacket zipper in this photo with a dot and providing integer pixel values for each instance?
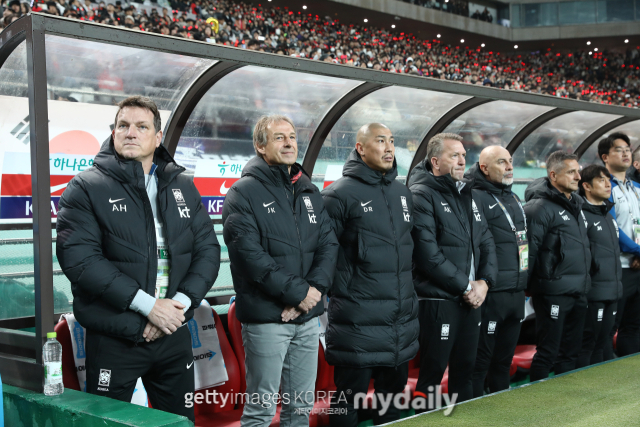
(615, 240)
(395, 241)
(146, 206)
(295, 218)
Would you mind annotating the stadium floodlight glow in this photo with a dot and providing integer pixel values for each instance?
(515, 47)
(393, 25)
(438, 36)
(366, 20)
(461, 40)
(595, 49)
(588, 43)
(482, 45)
(626, 40)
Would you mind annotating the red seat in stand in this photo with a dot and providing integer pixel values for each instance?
(69, 376)
(206, 414)
(235, 329)
(523, 356)
(326, 376)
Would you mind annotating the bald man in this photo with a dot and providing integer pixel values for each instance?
(503, 309)
(373, 312)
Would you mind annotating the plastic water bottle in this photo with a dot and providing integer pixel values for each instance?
(52, 358)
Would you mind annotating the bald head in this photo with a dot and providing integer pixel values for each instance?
(370, 130)
(497, 165)
(374, 143)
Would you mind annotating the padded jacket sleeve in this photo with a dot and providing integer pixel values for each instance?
(250, 259)
(537, 227)
(205, 262)
(79, 251)
(488, 267)
(335, 210)
(429, 259)
(627, 245)
(320, 276)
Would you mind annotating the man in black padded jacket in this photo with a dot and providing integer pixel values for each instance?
(559, 265)
(373, 311)
(606, 268)
(283, 253)
(140, 252)
(454, 264)
(503, 309)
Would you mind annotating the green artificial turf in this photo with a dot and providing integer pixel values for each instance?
(604, 395)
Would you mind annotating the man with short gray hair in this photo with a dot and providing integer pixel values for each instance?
(454, 261)
(283, 253)
(559, 265)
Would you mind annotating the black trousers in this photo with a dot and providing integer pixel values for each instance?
(502, 316)
(165, 366)
(352, 381)
(559, 326)
(449, 333)
(598, 323)
(627, 322)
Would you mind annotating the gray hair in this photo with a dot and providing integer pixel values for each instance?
(435, 147)
(260, 130)
(555, 161)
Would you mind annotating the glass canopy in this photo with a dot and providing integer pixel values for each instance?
(409, 113)
(564, 132)
(13, 74)
(100, 73)
(87, 74)
(631, 129)
(493, 123)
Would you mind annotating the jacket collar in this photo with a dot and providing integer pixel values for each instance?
(598, 209)
(276, 175)
(356, 168)
(128, 171)
(541, 188)
(422, 174)
(480, 182)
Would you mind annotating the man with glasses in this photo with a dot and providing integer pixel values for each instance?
(615, 153)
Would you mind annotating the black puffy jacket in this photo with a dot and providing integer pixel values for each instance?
(606, 270)
(510, 278)
(280, 242)
(633, 174)
(373, 310)
(559, 255)
(449, 227)
(107, 240)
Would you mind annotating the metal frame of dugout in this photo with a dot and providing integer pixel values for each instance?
(21, 352)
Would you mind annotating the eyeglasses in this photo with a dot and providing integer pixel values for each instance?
(622, 150)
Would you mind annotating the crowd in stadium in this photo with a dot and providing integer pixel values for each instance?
(603, 77)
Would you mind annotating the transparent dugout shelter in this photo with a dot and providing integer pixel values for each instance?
(60, 81)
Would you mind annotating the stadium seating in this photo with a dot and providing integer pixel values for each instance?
(603, 76)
